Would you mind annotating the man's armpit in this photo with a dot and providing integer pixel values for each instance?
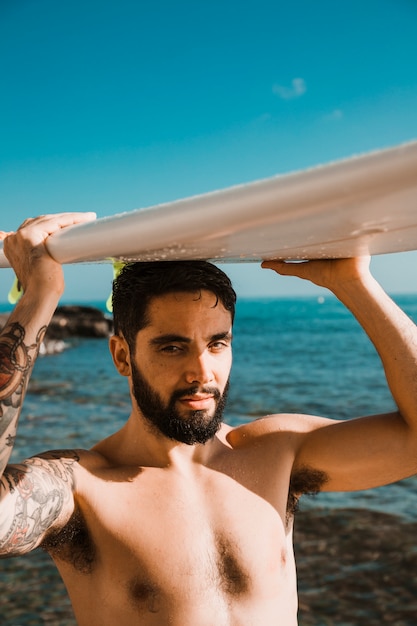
(304, 480)
(34, 496)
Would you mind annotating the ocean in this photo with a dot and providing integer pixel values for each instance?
(304, 355)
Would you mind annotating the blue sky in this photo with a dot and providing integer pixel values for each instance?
(114, 105)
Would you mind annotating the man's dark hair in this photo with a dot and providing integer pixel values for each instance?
(138, 283)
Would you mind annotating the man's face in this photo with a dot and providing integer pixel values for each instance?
(185, 357)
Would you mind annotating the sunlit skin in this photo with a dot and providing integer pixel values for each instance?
(148, 530)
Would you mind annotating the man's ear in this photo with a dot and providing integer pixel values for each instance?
(120, 354)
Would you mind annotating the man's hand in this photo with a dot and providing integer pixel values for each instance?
(26, 251)
(332, 274)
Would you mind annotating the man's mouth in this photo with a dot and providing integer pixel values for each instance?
(197, 402)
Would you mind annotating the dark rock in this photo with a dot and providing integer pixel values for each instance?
(78, 321)
(356, 567)
(71, 321)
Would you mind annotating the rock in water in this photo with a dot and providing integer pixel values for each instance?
(78, 321)
(71, 321)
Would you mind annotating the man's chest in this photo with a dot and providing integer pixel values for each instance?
(170, 545)
(208, 528)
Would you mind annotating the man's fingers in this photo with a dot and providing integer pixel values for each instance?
(53, 222)
(329, 273)
(30, 237)
(35, 230)
(286, 268)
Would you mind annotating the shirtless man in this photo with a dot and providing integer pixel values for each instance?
(178, 519)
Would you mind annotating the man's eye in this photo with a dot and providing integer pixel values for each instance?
(219, 345)
(170, 349)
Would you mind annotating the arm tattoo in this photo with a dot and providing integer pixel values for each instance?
(16, 363)
(36, 495)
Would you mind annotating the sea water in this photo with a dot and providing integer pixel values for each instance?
(302, 355)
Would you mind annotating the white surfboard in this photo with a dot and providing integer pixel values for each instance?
(365, 204)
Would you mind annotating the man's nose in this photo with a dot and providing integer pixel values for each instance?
(199, 369)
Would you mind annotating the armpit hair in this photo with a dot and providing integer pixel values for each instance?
(72, 543)
(304, 480)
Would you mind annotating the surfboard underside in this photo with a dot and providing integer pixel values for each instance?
(362, 205)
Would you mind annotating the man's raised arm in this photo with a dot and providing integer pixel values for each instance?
(371, 451)
(41, 279)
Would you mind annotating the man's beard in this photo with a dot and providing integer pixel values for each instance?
(196, 427)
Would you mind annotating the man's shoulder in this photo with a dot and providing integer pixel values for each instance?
(271, 427)
(68, 459)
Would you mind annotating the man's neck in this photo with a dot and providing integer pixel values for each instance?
(137, 444)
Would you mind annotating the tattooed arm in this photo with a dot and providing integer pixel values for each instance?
(35, 497)
(16, 363)
(41, 279)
